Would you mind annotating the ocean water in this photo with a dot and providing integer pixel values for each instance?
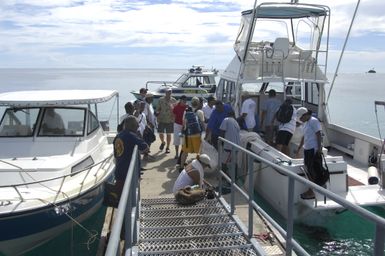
(351, 104)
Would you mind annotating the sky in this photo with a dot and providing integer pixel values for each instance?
(162, 34)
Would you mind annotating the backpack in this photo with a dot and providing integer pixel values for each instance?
(284, 113)
(193, 123)
(190, 195)
(319, 170)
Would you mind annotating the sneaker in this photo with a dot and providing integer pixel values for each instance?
(162, 146)
(167, 150)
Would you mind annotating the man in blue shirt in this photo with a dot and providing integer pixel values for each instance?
(220, 112)
(124, 144)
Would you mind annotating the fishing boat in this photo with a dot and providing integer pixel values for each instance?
(196, 82)
(284, 46)
(54, 159)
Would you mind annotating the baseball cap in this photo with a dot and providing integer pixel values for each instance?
(301, 111)
(205, 159)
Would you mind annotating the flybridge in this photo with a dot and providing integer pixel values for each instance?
(288, 11)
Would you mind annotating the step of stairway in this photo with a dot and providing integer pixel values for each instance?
(204, 228)
(193, 243)
(214, 251)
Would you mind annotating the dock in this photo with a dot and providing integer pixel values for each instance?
(205, 228)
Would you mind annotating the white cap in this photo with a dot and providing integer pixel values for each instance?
(301, 111)
(168, 89)
(205, 159)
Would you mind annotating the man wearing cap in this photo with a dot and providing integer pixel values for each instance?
(311, 142)
(165, 118)
(193, 173)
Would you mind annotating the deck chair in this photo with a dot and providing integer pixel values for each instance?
(280, 48)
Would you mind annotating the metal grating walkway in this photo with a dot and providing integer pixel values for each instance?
(205, 228)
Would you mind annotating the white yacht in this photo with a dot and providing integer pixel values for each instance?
(196, 82)
(54, 160)
(284, 46)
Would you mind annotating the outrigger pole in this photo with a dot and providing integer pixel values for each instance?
(343, 50)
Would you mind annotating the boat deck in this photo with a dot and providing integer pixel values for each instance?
(205, 228)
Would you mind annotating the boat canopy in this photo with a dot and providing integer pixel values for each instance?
(288, 11)
(55, 97)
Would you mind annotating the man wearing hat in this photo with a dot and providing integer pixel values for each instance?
(248, 111)
(311, 142)
(193, 173)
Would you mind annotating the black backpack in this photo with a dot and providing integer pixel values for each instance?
(284, 113)
(319, 170)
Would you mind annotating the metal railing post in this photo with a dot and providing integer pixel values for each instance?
(379, 240)
(250, 165)
(220, 150)
(290, 220)
(232, 173)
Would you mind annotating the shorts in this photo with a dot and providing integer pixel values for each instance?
(166, 127)
(177, 132)
(193, 143)
(283, 137)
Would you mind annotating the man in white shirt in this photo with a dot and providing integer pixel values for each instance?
(248, 111)
(286, 131)
(311, 142)
(208, 108)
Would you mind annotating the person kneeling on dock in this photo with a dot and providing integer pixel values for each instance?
(190, 179)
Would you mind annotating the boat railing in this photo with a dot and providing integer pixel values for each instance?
(379, 236)
(127, 214)
(86, 171)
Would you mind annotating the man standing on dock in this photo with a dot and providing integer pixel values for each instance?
(124, 144)
(166, 119)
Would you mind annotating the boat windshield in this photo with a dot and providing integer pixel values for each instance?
(181, 79)
(18, 122)
(302, 26)
(24, 122)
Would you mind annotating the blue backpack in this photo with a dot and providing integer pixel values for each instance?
(193, 124)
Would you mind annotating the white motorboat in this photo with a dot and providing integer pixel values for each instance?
(54, 160)
(284, 46)
(196, 82)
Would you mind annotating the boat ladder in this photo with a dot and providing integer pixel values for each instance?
(204, 228)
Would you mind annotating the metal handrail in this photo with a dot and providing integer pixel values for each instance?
(379, 222)
(128, 211)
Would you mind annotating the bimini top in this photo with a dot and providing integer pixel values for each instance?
(55, 97)
(287, 11)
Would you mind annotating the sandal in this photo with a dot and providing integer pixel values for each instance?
(167, 150)
(162, 146)
(305, 196)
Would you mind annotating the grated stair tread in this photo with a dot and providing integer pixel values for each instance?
(188, 243)
(247, 251)
(204, 228)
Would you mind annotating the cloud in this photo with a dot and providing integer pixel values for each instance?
(91, 32)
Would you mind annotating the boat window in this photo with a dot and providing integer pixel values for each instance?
(62, 122)
(18, 122)
(226, 89)
(93, 122)
(312, 94)
(197, 81)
